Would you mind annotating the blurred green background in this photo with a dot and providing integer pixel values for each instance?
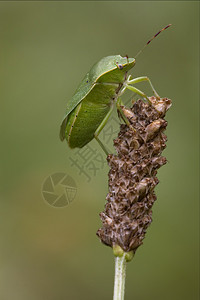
(46, 49)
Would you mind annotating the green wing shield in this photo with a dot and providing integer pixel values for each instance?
(84, 88)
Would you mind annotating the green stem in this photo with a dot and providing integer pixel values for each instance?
(120, 276)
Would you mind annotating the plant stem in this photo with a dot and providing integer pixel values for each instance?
(120, 276)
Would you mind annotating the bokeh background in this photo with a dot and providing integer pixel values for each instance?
(46, 49)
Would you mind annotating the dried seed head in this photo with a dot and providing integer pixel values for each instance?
(132, 175)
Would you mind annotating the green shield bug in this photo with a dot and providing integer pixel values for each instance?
(91, 106)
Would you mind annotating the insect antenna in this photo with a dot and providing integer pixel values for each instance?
(153, 38)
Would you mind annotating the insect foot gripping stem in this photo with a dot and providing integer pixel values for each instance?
(132, 176)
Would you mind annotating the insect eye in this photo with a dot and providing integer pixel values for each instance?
(119, 66)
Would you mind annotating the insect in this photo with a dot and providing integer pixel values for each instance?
(101, 89)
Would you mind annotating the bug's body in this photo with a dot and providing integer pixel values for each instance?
(90, 107)
(93, 99)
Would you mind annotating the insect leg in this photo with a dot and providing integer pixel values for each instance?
(101, 126)
(119, 104)
(144, 78)
(135, 90)
(102, 145)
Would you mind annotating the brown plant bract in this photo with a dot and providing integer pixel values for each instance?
(132, 177)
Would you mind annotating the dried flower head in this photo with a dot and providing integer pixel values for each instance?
(132, 177)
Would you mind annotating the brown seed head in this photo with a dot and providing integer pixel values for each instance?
(132, 175)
